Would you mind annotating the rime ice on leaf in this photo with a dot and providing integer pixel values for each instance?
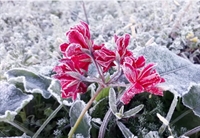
(191, 99)
(31, 82)
(180, 74)
(12, 100)
(85, 124)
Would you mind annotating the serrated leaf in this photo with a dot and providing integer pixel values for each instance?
(152, 134)
(180, 74)
(55, 90)
(112, 101)
(32, 82)
(133, 111)
(104, 93)
(12, 100)
(85, 124)
(125, 131)
(191, 99)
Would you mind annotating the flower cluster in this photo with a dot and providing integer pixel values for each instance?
(80, 51)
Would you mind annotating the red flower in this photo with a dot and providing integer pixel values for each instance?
(141, 80)
(135, 62)
(77, 53)
(105, 58)
(70, 79)
(70, 86)
(79, 34)
(122, 44)
(79, 42)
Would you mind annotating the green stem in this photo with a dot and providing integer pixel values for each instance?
(181, 116)
(73, 129)
(20, 127)
(192, 131)
(47, 121)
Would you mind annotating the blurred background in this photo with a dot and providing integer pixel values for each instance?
(31, 31)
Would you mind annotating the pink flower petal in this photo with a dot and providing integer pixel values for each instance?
(131, 92)
(155, 90)
(140, 62)
(147, 70)
(63, 47)
(78, 38)
(130, 72)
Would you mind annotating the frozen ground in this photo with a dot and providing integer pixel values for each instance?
(31, 31)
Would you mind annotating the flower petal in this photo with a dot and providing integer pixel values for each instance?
(76, 37)
(155, 90)
(131, 92)
(140, 62)
(130, 72)
(147, 70)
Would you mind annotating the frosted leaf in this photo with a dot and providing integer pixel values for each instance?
(125, 131)
(31, 81)
(112, 101)
(133, 111)
(180, 74)
(191, 99)
(85, 124)
(12, 100)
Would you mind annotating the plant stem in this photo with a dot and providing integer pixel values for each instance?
(98, 69)
(20, 127)
(86, 17)
(73, 129)
(47, 121)
(181, 116)
(117, 74)
(107, 118)
(192, 131)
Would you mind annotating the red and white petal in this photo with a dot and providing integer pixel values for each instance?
(78, 38)
(147, 70)
(131, 92)
(140, 62)
(130, 72)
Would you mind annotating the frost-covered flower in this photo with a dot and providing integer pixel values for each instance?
(71, 79)
(141, 79)
(122, 44)
(105, 58)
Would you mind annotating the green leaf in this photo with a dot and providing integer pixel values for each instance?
(180, 74)
(99, 108)
(12, 100)
(133, 111)
(112, 101)
(125, 131)
(191, 99)
(32, 82)
(85, 124)
(104, 93)
(48, 111)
